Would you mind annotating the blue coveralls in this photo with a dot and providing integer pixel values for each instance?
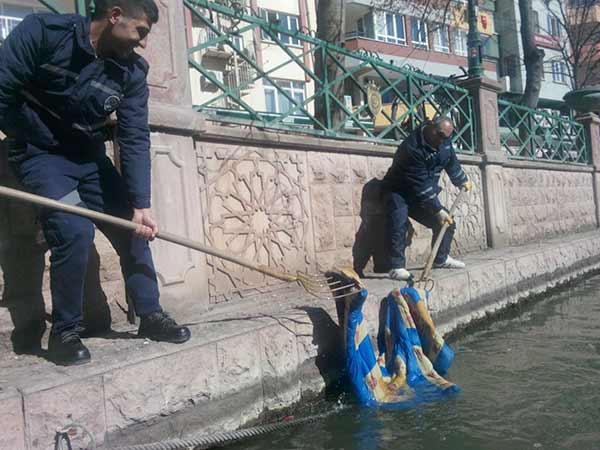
(56, 97)
(411, 188)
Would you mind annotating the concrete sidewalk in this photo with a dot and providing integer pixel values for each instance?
(264, 354)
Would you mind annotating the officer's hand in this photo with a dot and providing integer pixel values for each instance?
(467, 186)
(443, 217)
(147, 227)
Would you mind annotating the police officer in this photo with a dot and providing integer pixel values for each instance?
(411, 190)
(61, 77)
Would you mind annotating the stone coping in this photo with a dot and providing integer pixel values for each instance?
(257, 137)
(520, 164)
(262, 354)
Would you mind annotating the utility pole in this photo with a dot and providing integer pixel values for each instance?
(474, 41)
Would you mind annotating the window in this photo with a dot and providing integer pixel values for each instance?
(285, 21)
(559, 72)
(419, 33)
(553, 26)
(441, 40)
(10, 16)
(460, 42)
(390, 28)
(360, 27)
(276, 102)
(536, 22)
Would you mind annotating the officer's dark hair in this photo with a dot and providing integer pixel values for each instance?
(131, 8)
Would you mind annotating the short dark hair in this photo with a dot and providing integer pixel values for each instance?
(131, 8)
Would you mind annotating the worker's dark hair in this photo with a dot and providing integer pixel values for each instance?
(131, 8)
(439, 120)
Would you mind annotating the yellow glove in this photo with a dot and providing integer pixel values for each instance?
(467, 186)
(443, 217)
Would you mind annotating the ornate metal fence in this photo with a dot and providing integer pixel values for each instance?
(64, 6)
(539, 135)
(309, 100)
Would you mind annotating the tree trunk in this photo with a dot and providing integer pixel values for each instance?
(330, 27)
(534, 56)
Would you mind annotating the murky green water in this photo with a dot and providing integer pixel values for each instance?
(530, 381)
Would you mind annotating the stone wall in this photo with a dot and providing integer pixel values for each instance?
(543, 203)
(299, 210)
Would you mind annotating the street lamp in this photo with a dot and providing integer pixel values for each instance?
(474, 41)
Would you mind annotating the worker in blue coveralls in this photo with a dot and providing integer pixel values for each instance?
(61, 77)
(411, 190)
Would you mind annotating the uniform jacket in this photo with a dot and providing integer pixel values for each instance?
(416, 169)
(56, 96)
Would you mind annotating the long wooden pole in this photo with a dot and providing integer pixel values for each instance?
(436, 246)
(44, 202)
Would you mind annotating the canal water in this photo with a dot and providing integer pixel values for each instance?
(530, 380)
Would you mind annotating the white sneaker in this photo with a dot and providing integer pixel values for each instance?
(400, 274)
(450, 263)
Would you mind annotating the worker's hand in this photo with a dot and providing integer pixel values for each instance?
(147, 227)
(467, 186)
(443, 217)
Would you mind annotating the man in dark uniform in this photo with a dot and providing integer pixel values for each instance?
(411, 190)
(61, 77)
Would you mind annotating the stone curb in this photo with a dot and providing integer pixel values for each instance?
(262, 356)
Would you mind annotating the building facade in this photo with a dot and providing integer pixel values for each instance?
(548, 33)
(235, 73)
(429, 42)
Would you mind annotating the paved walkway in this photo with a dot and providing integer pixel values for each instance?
(265, 353)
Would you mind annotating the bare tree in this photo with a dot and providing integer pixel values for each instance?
(533, 56)
(331, 24)
(576, 31)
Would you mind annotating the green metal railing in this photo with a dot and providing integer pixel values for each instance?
(79, 6)
(222, 30)
(541, 136)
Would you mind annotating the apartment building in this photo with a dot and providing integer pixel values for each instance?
(235, 73)
(429, 42)
(555, 82)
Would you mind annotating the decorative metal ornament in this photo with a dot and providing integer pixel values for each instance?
(374, 100)
(112, 103)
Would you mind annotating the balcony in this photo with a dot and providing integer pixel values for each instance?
(218, 50)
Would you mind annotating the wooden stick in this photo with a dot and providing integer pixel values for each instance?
(44, 202)
(425, 274)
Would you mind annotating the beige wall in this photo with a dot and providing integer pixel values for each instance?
(545, 203)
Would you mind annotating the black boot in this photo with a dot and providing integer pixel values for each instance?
(159, 326)
(66, 349)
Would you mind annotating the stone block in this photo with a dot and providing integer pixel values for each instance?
(525, 275)
(80, 402)
(160, 386)
(451, 291)
(337, 258)
(323, 220)
(344, 232)
(181, 271)
(379, 165)
(257, 206)
(328, 168)
(359, 166)
(487, 282)
(342, 200)
(357, 192)
(238, 363)
(12, 432)
(279, 362)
